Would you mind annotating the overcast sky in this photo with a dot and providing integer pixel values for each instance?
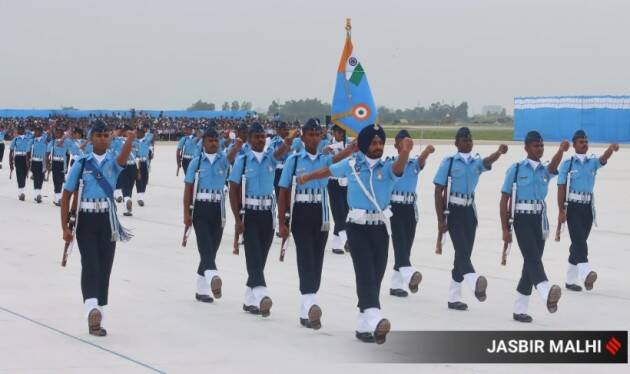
(157, 54)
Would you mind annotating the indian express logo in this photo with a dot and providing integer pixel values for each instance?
(545, 346)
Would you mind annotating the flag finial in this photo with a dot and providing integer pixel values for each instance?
(348, 24)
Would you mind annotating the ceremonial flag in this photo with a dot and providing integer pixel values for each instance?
(352, 106)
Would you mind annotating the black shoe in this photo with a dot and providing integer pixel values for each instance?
(304, 322)
(119, 199)
(129, 205)
(338, 251)
(265, 306)
(382, 328)
(57, 203)
(251, 309)
(480, 288)
(414, 282)
(552, 299)
(398, 292)
(590, 280)
(38, 199)
(573, 287)
(141, 202)
(346, 246)
(315, 317)
(365, 337)
(458, 305)
(127, 214)
(204, 298)
(522, 317)
(94, 323)
(22, 197)
(215, 286)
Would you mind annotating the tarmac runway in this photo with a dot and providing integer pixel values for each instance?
(155, 324)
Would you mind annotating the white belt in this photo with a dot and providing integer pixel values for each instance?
(342, 181)
(141, 159)
(582, 198)
(19, 153)
(208, 196)
(279, 166)
(37, 159)
(187, 157)
(404, 199)
(461, 201)
(131, 162)
(364, 217)
(528, 208)
(94, 205)
(58, 158)
(255, 203)
(308, 198)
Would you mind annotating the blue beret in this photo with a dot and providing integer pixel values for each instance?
(402, 134)
(463, 132)
(311, 124)
(211, 133)
(533, 136)
(255, 128)
(98, 126)
(580, 134)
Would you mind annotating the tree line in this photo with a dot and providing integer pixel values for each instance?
(301, 110)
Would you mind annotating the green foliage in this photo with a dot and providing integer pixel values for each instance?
(201, 105)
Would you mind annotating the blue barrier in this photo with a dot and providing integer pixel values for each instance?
(605, 119)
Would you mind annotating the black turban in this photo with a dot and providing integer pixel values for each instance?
(367, 135)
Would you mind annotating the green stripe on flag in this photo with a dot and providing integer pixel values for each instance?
(357, 75)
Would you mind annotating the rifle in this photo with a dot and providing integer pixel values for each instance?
(73, 222)
(445, 200)
(566, 201)
(511, 207)
(191, 207)
(241, 212)
(179, 165)
(289, 217)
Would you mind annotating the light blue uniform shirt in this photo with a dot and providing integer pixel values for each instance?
(39, 147)
(144, 146)
(260, 175)
(582, 173)
(2, 134)
(109, 169)
(189, 146)
(409, 180)
(212, 176)
(464, 175)
(275, 143)
(244, 149)
(75, 147)
(21, 143)
(116, 145)
(304, 166)
(530, 184)
(59, 150)
(381, 177)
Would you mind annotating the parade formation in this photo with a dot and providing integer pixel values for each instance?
(301, 183)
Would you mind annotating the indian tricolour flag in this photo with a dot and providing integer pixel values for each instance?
(353, 106)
